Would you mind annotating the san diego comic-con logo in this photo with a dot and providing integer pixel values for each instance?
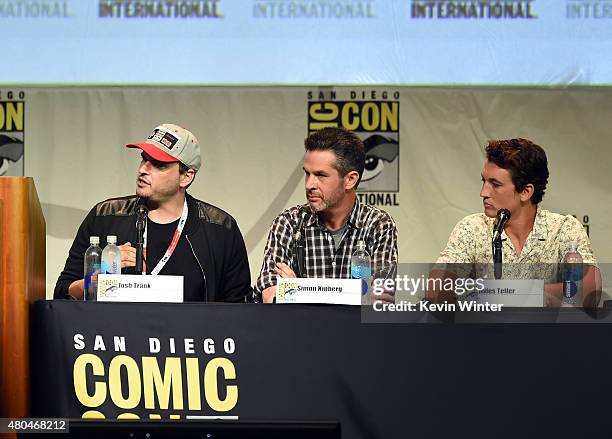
(374, 116)
(474, 9)
(12, 116)
(148, 377)
(286, 291)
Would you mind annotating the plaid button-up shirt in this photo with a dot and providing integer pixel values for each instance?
(321, 257)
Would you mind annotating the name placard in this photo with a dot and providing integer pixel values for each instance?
(136, 288)
(317, 290)
(513, 292)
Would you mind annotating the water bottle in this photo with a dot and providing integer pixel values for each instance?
(92, 259)
(572, 276)
(360, 266)
(111, 256)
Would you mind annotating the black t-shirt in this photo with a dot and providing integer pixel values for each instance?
(182, 262)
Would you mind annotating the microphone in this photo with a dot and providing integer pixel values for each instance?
(304, 210)
(502, 217)
(141, 222)
(299, 241)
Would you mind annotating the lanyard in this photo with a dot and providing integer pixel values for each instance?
(171, 247)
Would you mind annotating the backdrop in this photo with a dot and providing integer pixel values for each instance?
(425, 151)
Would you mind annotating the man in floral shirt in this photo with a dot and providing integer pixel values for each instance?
(534, 240)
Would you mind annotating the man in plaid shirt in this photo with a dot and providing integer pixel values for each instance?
(332, 222)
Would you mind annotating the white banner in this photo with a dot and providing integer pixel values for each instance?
(282, 42)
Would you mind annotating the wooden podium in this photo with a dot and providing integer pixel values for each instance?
(22, 281)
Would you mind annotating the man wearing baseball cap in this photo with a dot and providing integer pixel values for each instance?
(182, 235)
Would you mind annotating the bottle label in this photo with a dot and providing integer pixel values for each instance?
(87, 281)
(570, 289)
(88, 276)
(360, 272)
(572, 280)
(91, 282)
(110, 268)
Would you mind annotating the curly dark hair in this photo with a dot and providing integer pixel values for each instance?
(526, 162)
(348, 148)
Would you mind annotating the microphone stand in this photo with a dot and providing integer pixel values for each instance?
(502, 217)
(300, 244)
(300, 248)
(141, 219)
(497, 256)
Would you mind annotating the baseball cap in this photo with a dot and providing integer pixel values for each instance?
(172, 143)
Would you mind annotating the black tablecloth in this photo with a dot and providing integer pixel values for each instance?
(321, 362)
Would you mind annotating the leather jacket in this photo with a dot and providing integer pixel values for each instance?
(212, 234)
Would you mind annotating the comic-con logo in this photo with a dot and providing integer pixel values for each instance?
(374, 116)
(12, 110)
(155, 378)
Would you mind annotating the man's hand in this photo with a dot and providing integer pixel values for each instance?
(76, 289)
(384, 297)
(380, 294)
(128, 259)
(268, 294)
(128, 255)
(436, 295)
(553, 295)
(282, 270)
(591, 290)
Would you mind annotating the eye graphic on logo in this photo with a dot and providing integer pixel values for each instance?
(380, 150)
(11, 150)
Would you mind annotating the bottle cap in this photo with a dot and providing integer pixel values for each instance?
(94, 240)
(361, 244)
(572, 246)
(111, 239)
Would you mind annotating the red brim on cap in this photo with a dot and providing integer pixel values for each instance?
(154, 151)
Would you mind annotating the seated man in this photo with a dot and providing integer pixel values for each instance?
(332, 222)
(534, 240)
(184, 236)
